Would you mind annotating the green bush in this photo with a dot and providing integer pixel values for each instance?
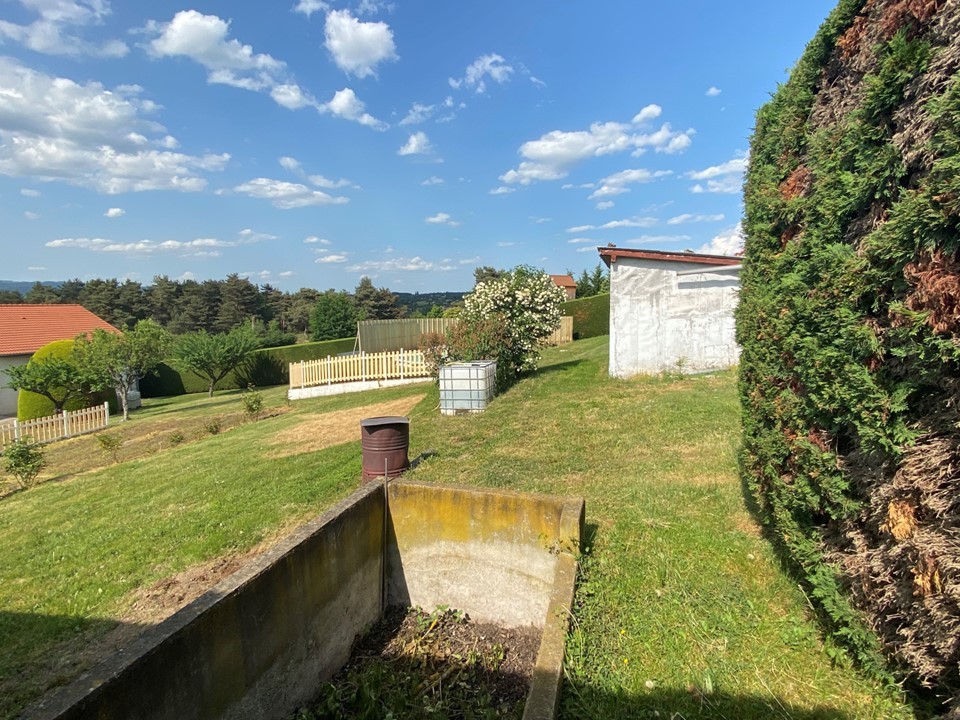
(24, 461)
(31, 405)
(848, 325)
(591, 316)
(264, 368)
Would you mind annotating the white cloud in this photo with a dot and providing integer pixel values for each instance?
(286, 274)
(333, 258)
(502, 190)
(737, 166)
(291, 96)
(36, 268)
(357, 47)
(309, 7)
(314, 240)
(605, 205)
(635, 221)
(486, 66)
(249, 236)
(345, 104)
(690, 218)
(294, 166)
(582, 241)
(616, 184)
(553, 155)
(417, 144)
(505, 244)
(713, 91)
(31, 215)
(418, 113)
(539, 220)
(203, 39)
(52, 128)
(442, 219)
(52, 32)
(414, 264)
(114, 212)
(433, 180)
(727, 186)
(287, 195)
(726, 178)
(650, 112)
(29, 192)
(144, 247)
(729, 242)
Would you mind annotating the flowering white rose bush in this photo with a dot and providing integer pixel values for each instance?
(523, 306)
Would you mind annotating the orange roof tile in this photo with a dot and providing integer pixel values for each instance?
(563, 281)
(24, 329)
(612, 252)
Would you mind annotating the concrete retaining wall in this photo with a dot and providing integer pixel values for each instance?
(260, 643)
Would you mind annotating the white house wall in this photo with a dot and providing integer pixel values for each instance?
(661, 321)
(8, 397)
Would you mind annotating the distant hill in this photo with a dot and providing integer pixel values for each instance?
(423, 302)
(23, 286)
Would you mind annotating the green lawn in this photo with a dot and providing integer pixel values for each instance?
(681, 611)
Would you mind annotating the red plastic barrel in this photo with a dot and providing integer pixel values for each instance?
(385, 442)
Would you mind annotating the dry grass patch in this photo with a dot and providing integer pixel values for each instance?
(318, 432)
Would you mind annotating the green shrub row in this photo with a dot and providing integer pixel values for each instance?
(265, 367)
(591, 316)
(843, 361)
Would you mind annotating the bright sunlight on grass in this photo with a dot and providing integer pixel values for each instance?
(682, 610)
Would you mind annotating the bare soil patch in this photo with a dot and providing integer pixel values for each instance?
(318, 432)
(414, 664)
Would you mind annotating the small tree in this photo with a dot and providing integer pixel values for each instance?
(334, 316)
(213, 357)
(24, 461)
(55, 378)
(524, 306)
(119, 361)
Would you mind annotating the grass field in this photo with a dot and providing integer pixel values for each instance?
(681, 610)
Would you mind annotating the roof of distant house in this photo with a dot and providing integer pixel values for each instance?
(611, 253)
(564, 281)
(24, 329)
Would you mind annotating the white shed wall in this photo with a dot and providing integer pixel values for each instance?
(661, 321)
(8, 397)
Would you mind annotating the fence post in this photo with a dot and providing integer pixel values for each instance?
(66, 423)
(363, 367)
(106, 414)
(401, 363)
(302, 375)
(16, 429)
(329, 369)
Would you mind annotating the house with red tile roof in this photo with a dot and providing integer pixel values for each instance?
(24, 329)
(567, 284)
(671, 311)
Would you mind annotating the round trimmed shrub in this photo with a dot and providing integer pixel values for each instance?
(30, 405)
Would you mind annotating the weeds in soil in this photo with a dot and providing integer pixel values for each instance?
(429, 668)
(213, 426)
(252, 402)
(110, 444)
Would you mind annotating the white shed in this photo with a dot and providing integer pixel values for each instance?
(671, 311)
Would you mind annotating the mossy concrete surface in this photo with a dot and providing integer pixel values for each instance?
(259, 644)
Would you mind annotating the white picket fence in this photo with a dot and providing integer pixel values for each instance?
(56, 427)
(360, 367)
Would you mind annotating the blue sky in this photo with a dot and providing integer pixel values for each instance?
(304, 143)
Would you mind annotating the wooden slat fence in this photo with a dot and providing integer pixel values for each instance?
(375, 336)
(563, 334)
(361, 367)
(56, 427)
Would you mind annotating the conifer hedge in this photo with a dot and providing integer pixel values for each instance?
(849, 322)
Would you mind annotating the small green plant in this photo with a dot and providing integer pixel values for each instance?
(176, 437)
(213, 426)
(252, 402)
(24, 461)
(110, 444)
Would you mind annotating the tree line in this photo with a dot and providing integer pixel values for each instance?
(213, 306)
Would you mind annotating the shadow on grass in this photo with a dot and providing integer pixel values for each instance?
(922, 701)
(587, 702)
(40, 653)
